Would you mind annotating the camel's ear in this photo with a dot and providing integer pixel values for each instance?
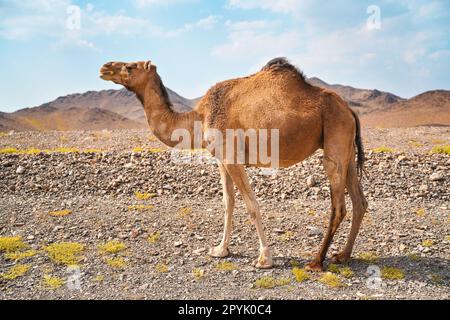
(148, 65)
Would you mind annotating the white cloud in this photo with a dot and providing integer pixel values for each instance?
(152, 3)
(282, 6)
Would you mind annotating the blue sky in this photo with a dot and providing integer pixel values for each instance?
(196, 43)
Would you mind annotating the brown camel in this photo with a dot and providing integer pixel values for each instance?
(278, 97)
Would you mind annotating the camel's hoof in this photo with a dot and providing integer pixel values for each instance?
(340, 258)
(264, 260)
(219, 252)
(314, 266)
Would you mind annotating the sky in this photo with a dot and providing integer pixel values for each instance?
(50, 48)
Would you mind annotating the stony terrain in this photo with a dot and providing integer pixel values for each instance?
(177, 214)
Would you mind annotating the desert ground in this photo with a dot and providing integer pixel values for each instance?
(132, 223)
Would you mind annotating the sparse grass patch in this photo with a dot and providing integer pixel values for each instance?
(156, 150)
(67, 253)
(154, 237)
(415, 144)
(61, 213)
(438, 141)
(92, 151)
(383, 149)
(368, 257)
(99, 278)
(9, 151)
(65, 150)
(138, 150)
(427, 243)
(140, 207)
(346, 271)
(330, 280)
(287, 236)
(112, 247)
(198, 273)
(390, 273)
(441, 150)
(414, 257)
(52, 282)
(144, 195)
(162, 268)
(16, 271)
(447, 238)
(116, 262)
(301, 275)
(421, 212)
(17, 256)
(270, 282)
(226, 266)
(311, 213)
(11, 244)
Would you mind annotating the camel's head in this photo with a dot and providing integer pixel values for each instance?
(130, 75)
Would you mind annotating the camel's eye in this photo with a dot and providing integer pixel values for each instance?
(131, 66)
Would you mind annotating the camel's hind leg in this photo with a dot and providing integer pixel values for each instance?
(335, 164)
(221, 250)
(359, 209)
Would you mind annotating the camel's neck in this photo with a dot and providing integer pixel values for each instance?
(162, 119)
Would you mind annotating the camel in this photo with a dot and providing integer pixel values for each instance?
(277, 97)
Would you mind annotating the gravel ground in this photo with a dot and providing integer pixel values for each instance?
(407, 227)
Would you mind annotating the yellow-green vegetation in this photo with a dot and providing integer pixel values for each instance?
(415, 144)
(112, 247)
(185, 212)
(438, 141)
(391, 273)
(368, 257)
(311, 213)
(156, 150)
(99, 278)
(436, 279)
(9, 151)
(140, 207)
(441, 150)
(52, 282)
(330, 280)
(270, 282)
(294, 263)
(92, 151)
(116, 262)
(226, 266)
(414, 257)
(427, 243)
(16, 271)
(138, 150)
(17, 256)
(421, 212)
(383, 149)
(162, 268)
(198, 273)
(61, 213)
(66, 150)
(154, 237)
(346, 272)
(447, 238)
(3, 134)
(300, 275)
(287, 236)
(144, 195)
(67, 253)
(11, 244)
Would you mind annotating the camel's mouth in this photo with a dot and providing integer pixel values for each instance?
(106, 74)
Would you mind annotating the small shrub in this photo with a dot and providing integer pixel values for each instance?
(112, 247)
(67, 253)
(61, 213)
(346, 272)
(421, 212)
(383, 149)
(270, 282)
(390, 273)
(11, 244)
(330, 280)
(287, 236)
(162, 268)
(99, 278)
(144, 196)
(427, 243)
(441, 150)
(52, 283)
(226, 266)
(198, 273)
(16, 271)
(17, 256)
(368, 257)
(154, 237)
(117, 262)
(301, 275)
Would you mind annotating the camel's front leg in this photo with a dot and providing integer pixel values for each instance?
(228, 198)
(239, 176)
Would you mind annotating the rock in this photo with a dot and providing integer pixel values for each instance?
(20, 170)
(199, 251)
(178, 244)
(437, 176)
(311, 181)
(423, 188)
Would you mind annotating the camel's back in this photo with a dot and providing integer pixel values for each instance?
(272, 98)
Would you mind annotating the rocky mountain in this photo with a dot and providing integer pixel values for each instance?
(115, 109)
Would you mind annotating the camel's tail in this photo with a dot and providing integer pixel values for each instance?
(359, 146)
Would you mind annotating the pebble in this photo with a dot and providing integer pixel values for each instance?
(20, 170)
